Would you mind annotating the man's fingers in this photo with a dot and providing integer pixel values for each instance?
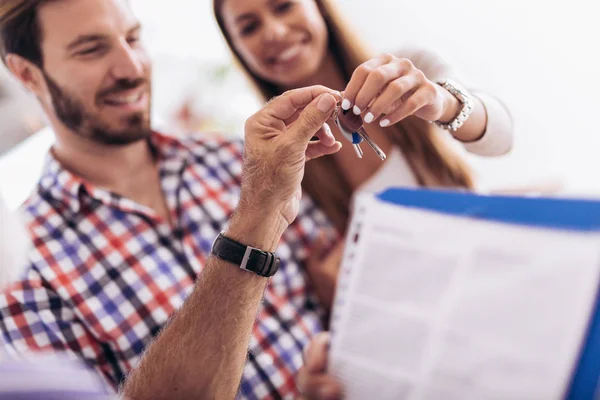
(318, 149)
(317, 353)
(325, 135)
(285, 106)
(319, 387)
(314, 115)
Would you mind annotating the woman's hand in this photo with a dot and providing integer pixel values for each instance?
(389, 89)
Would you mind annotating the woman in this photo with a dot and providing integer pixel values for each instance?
(285, 44)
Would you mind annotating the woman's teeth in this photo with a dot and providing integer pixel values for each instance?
(288, 53)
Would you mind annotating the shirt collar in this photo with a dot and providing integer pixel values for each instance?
(174, 155)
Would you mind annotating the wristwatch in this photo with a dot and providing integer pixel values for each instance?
(463, 96)
(262, 263)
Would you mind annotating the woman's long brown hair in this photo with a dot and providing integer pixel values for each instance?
(433, 162)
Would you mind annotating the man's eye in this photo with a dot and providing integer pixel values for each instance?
(91, 50)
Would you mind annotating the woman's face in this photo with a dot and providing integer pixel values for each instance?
(282, 41)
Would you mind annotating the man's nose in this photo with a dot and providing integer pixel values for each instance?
(128, 64)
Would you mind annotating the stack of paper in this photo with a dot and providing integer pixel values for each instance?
(447, 295)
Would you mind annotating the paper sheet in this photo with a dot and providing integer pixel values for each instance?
(433, 306)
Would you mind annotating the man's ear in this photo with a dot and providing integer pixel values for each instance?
(29, 74)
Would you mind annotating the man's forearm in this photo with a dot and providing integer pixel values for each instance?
(202, 351)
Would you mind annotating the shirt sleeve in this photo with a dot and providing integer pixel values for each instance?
(34, 319)
(498, 137)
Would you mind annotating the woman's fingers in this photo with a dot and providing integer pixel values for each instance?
(376, 82)
(391, 98)
(358, 79)
(422, 97)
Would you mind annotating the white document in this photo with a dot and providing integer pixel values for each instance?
(434, 306)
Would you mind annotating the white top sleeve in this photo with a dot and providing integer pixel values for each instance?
(499, 134)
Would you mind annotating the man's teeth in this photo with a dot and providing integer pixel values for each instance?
(133, 98)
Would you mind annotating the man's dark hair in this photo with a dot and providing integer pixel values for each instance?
(20, 31)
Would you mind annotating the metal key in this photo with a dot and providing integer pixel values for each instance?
(351, 126)
(363, 133)
(358, 150)
(355, 139)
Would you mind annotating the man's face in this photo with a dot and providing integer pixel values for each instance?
(96, 70)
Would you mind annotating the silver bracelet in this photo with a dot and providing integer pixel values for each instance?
(464, 98)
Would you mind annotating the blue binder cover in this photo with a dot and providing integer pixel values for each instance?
(551, 213)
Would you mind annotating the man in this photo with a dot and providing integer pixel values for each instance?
(191, 357)
(187, 345)
(123, 218)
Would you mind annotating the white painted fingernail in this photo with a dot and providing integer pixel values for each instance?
(346, 104)
(384, 123)
(369, 118)
(356, 110)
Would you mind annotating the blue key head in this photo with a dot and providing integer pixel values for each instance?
(356, 138)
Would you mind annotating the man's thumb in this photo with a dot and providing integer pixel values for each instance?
(316, 355)
(312, 118)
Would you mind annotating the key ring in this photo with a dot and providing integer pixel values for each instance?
(351, 126)
(352, 137)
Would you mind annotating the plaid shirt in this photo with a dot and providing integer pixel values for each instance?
(106, 273)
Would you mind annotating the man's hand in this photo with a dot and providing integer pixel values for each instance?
(313, 381)
(323, 269)
(278, 144)
(226, 299)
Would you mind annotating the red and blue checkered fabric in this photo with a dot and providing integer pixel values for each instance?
(106, 273)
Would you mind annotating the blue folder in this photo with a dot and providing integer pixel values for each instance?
(550, 213)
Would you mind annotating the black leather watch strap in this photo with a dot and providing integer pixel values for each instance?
(260, 262)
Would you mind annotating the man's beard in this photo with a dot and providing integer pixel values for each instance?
(72, 113)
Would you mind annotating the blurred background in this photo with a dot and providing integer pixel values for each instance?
(540, 57)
